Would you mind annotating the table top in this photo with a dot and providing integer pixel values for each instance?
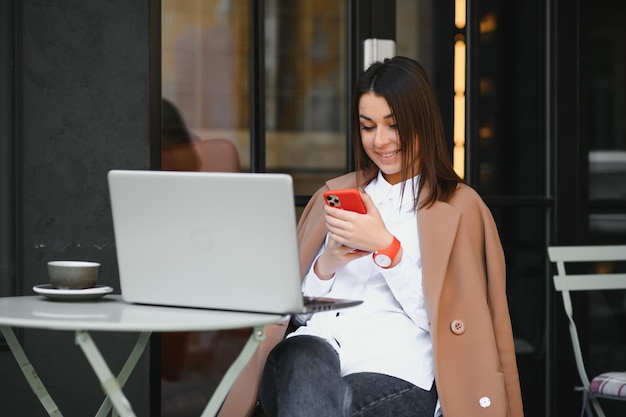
(111, 313)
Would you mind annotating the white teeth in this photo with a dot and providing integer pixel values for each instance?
(387, 155)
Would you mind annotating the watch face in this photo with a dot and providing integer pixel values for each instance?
(382, 260)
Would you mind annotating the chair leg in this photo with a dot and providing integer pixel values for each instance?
(596, 406)
(586, 409)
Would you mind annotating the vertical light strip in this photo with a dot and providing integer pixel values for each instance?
(459, 14)
(458, 157)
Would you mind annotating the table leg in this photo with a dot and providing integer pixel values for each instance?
(128, 367)
(29, 372)
(109, 383)
(218, 397)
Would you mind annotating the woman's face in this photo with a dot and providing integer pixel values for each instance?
(379, 136)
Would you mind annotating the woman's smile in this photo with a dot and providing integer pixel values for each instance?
(379, 135)
(388, 155)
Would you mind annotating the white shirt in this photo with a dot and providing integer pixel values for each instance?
(389, 332)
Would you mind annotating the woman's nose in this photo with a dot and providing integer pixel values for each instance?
(382, 137)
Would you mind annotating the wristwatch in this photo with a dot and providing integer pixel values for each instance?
(384, 257)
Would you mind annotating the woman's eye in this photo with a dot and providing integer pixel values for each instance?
(367, 128)
(394, 126)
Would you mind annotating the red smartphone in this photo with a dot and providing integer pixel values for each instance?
(347, 199)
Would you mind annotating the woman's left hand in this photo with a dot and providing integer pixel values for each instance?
(365, 232)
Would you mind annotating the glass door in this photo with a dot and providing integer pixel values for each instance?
(486, 59)
(606, 155)
(253, 86)
(288, 58)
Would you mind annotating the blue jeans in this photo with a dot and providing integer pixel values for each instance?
(302, 378)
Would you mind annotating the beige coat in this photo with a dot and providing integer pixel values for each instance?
(464, 279)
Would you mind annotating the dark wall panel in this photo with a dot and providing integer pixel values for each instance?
(8, 251)
(85, 93)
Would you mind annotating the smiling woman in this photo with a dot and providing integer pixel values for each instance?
(418, 135)
(420, 257)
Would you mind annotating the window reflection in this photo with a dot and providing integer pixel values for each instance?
(206, 75)
(177, 153)
(607, 181)
(206, 72)
(306, 91)
(205, 127)
(607, 138)
(509, 142)
(606, 341)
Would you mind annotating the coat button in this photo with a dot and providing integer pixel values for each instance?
(484, 402)
(457, 326)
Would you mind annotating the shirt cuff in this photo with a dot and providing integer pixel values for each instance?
(313, 286)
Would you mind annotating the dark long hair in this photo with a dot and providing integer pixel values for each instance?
(404, 84)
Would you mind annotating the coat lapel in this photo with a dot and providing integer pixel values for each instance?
(437, 227)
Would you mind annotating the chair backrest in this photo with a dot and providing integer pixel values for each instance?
(592, 281)
(209, 155)
(217, 155)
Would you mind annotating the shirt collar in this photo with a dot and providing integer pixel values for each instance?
(381, 191)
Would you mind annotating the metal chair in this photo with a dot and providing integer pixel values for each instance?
(610, 385)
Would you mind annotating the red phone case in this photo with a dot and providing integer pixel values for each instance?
(347, 199)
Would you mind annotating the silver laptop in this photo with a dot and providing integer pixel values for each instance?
(209, 240)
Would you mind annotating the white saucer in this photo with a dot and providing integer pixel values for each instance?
(72, 295)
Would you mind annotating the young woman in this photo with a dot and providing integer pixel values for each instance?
(433, 335)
